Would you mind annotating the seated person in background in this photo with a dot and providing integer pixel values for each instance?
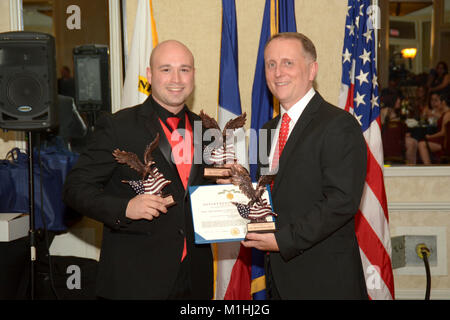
(434, 142)
(439, 79)
(66, 84)
(422, 110)
(434, 111)
(390, 112)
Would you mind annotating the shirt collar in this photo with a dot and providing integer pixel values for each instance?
(297, 109)
(163, 114)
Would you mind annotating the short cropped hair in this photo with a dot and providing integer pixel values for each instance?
(307, 44)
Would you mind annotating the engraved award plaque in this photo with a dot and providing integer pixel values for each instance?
(221, 152)
(152, 181)
(257, 210)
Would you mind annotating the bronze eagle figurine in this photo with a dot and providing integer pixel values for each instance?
(241, 178)
(132, 160)
(211, 123)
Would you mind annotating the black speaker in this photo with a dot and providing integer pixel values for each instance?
(91, 70)
(27, 81)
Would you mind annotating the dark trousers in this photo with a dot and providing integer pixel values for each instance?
(271, 288)
(182, 287)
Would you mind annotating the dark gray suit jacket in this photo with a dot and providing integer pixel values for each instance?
(316, 195)
(139, 259)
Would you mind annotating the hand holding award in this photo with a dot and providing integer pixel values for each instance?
(152, 180)
(257, 209)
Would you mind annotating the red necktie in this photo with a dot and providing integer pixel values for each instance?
(282, 138)
(173, 122)
(183, 167)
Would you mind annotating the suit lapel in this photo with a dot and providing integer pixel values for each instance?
(152, 125)
(295, 137)
(198, 148)
(270, 128)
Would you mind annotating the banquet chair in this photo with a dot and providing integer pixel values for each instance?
(393, 136)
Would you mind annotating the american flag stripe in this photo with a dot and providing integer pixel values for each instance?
(376, 182)
(383, 290)
(155, 185)
(219, 156)
(375, 218)
(259, 214)
(370, 245)
(359, 96)
(259, 211)
(372, 139)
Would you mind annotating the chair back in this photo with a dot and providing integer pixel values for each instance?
(393, 136)
(446, 146)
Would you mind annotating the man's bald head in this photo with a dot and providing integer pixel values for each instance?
(170, 46)
(171, 74)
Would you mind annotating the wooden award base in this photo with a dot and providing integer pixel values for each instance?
(261, 227)
(168, 200)
(216, 172)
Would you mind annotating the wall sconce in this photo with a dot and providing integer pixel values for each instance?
(409, 53)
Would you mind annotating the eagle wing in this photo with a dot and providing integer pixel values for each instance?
(208, 122)
(236, 123)
(129, 158)
(241, 178)
(150, 148)
(262, 182)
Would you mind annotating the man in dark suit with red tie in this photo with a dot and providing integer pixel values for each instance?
(148, 249)
(320, 156)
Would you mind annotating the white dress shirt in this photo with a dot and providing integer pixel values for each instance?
(294, 113)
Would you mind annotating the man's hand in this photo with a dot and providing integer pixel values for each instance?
(226, 176)
(261, 241)
(145, 206)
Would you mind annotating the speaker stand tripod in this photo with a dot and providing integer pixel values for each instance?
(32, 216)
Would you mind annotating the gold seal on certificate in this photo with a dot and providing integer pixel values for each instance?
(152, 181)
(256, 209)
(221, 151)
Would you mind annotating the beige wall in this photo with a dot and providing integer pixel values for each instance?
(4, 14)
(198, 22)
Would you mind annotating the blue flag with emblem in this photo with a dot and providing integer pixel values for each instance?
(279, 16)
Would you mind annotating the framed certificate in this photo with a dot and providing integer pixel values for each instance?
(215, 216)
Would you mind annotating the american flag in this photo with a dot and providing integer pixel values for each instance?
(359, 96)
(255, 211)
(152, 185)
(220, 156)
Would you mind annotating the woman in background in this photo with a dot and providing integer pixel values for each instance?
(439, 80)
(434, 142)
(391, 111)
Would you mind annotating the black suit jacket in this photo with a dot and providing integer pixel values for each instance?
(139, 259)
(316, 194)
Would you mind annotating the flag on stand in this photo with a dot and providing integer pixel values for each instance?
(226, 254)
(136, 87)
(279, 16)
(229, 97)
(262, 99)
(359, 96)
